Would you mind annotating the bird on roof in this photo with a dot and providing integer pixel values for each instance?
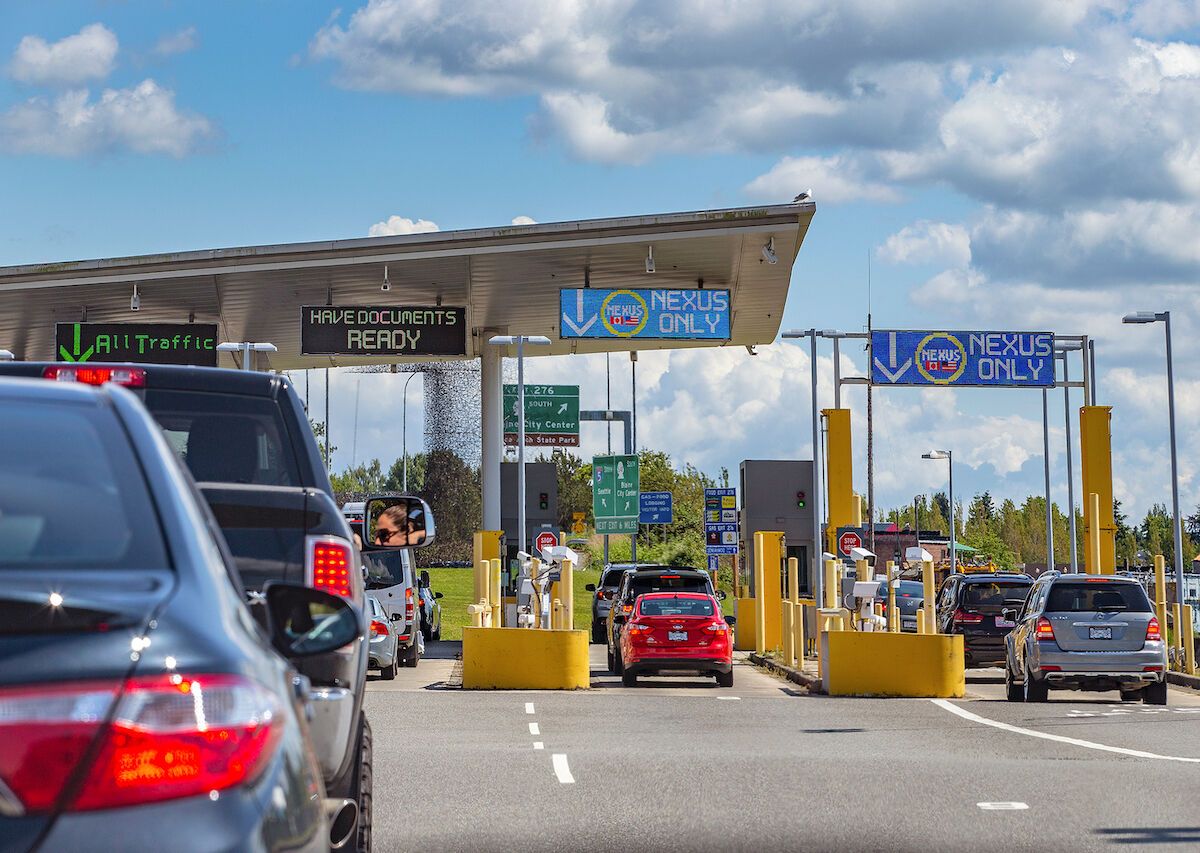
(807, 194)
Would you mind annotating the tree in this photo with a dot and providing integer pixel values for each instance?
(451, 488)
(358, 482)
(319, 432)
(574, 486)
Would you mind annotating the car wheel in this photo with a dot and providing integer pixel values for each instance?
(1155, 694)
(725, 679)
(598, 634)
(612, 664)
(1012, 691)
(387, 673)
(1034, 691)
(412, 655)
(1132, 695)
(436, 635)
(366, 787)
(628, 679)
(618, 664)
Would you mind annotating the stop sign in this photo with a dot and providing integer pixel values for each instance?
(849, 541)
(545, 539)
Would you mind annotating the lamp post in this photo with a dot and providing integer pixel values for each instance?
(949, 457)
(246, 348)
(818, 533)
(520, 341)
(404, 427)
(1138, 318)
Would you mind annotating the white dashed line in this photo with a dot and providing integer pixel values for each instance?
(1087, 744)
(561, 770)
(528, 707)
(534, 730)
(1003, 807)
(730, 698)
(537, 744)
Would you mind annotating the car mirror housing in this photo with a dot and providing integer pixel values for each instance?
(437, 595)
(590, 587)
(391, 522)
(732, 620)
(304, 622)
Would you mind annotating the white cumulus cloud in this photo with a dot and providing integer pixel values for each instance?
(89, 54)
(396, 225)
(927, 242)
(174, 43)
(834, 179)
(523, 220)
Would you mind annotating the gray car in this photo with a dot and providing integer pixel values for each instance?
(1086, 632)
(610, 579)
(384, 646)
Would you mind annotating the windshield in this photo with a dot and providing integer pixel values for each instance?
(666, 583)
(993, 593)
(611, 578)
(906, 589)
(1094, 596)
(673, 606)
(387, 568)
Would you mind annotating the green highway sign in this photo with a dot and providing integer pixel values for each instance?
(551, 415)
(615, 490)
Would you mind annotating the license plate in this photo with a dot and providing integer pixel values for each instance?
(677, 635)
(1099, 633)
(1001, 622)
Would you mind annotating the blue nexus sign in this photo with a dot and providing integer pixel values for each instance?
(694, 314)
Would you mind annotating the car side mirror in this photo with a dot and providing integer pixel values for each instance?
(720, 595)
(304, 622)
(437, 595)
(620, 619)
(397, 617)
(590, 587)
(1009, 614)
(732, 620)
(424, 578)
(397, 521)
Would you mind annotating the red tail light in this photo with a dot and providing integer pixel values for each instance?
(1044, 630)
(965, 618)
(409, 604)
(717, 628)
(599, 595)
(331, 563)
(175, 736)
(636, 629)
(130, 377)
(379, 629)
(1153, 632)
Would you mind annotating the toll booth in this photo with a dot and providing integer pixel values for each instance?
(541, 505)
(777, 495)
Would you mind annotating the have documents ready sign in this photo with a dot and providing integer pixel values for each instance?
(383, 330)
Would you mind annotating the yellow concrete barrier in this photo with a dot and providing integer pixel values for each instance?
(745, 629)
(524, 659)
(878, 663)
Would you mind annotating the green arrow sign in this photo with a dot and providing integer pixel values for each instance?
(551, 415)
(615, 490)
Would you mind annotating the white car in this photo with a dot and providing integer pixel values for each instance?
(383, 649)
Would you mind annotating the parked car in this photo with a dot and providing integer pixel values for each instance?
(431, 609)
(677, 632)
(129, 657)
(1086, 632)
(910, 595)
(642, 580)
(391, 575)
(605, 591)
(384, 649)
(972, 604)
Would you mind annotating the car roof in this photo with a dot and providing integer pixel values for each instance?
(47, 391)
(643, 571)
(174, 376)
(985, 577)
(1084, 576)
(668, 594)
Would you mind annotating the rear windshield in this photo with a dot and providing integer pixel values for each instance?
(676, 607)
(907, 589)
(387, 568)
(611, 578)
(226, 438)
(72, 495)
(994, 593)
(667, 583)
(1093, 597)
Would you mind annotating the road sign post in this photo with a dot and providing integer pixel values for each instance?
(551, 415)
(615, 488)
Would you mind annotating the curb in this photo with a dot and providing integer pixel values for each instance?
(1183, 680)
(793, 675)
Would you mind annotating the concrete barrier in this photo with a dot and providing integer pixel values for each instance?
(524, 659)
(744, 630)
(879, 663)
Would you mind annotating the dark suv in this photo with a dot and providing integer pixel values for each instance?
(973, 605)
(639, 581)
(606, 591)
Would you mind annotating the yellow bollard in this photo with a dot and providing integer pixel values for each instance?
(483, 572)
(476, 614)
(927, 605)
(832, 592)
(1160, 592)
(568, 595)
(785, 627)
(798, 641)
(535, 567)
(497, 600)
(1093, 530)
(1189, 641)
(921, 621)
(893, 620)
(793, 568)
(760, 597)
(1177, 635)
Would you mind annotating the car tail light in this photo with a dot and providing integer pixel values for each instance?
(599, 595)
(378, 628)
(966, 618)
(1044, 630)
(1051, 668)
(668, 577)
(628, 608)
(331, 563)
(172, 736)
(130, 377)
(1152, 668)
(1153, 632)
(717, 628)
(635, 629)
(409, 605)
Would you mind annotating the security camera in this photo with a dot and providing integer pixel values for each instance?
(135, 301)
(863, 554)
(768, 252)
(387, 285)
(650, 259)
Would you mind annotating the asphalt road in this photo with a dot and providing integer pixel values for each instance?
(680, 764)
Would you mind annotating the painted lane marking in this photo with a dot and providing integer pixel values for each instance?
(1003, 807)
(534, 730)
(1087, 744)
(730, 698)
(537, 744)
(561, 770)
(528, 707)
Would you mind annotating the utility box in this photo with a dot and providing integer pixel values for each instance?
(541, 502)
(777, 494)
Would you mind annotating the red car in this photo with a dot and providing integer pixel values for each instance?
(677, 631)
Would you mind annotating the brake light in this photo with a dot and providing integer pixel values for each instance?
(628, 608)
(171, 737)
(331, 563)
(1044, 630)
(408, 604)
(1051, 668)
(966, 618)
(599, 595)
(130, 377)
(668, 577)
(1153, 632)
(635, 629)
(378, 628)
(717, 628)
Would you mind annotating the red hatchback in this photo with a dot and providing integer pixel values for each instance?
(670, 631)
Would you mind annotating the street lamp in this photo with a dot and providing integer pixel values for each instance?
(949, 457)
(818, 533)
(520, 341)
(1139, 318)
(245, 348)
(404, 427)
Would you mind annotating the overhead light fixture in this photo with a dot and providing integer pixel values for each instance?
(650, 259)
(1141, 317)
(135, 301)
(768, 252)
(7, 355)
(387, 285)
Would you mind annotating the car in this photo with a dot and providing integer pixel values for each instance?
(606, 589)
(909, 597)
(391, 575)
(141, 696)
(384, 650)
(972, 604)
(431, 609)
(677, 632)
(641, 580)
(1085, 632)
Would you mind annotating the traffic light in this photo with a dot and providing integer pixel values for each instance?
(801, 500)
(543, 500)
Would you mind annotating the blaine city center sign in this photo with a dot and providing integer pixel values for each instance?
(666, 314)
(383, 330)
(988, 359)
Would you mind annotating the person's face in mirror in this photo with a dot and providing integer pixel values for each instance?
(391, 528)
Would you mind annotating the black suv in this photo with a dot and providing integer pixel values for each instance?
(973, 605)
(606, 591)
(640, 581)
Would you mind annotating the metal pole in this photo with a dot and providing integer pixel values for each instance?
(1091, 345)
(328, 461)
(354, 442)
(524, 546)
(608, 408)
(818, 533)
(953, 550)
(837, 374)
(1070, 463)
(404, 428)
(633, 430)
(1166, 315)
(1046, 466)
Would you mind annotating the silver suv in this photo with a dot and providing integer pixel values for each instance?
(1086, 632)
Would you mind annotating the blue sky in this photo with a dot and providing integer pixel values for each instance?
(1007, 165)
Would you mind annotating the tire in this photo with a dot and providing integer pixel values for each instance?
(1013, 692)
(412, 656)
(1033, 690)
(387, 673)
(436, 635)
(364, 789)
(597, 634)
(1132, 695)
(725, 679)
(628, 679)
(612, 664)
(1155, 694)
(618, 664)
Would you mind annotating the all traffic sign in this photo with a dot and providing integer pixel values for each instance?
(545, 539)
(848, 541)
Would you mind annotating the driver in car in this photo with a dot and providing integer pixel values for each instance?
(392, 527)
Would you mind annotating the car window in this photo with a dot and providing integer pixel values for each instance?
(612, 577)
(1094, 596)
(993, 593)
(387, 568)
(664, 583)
(72, 494)
(907, 589)
(673, 606)
(226, 438)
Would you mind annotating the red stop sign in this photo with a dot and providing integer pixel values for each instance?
(848, 542)
(545, 539)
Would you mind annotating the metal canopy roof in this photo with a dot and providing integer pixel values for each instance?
(508, 278)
